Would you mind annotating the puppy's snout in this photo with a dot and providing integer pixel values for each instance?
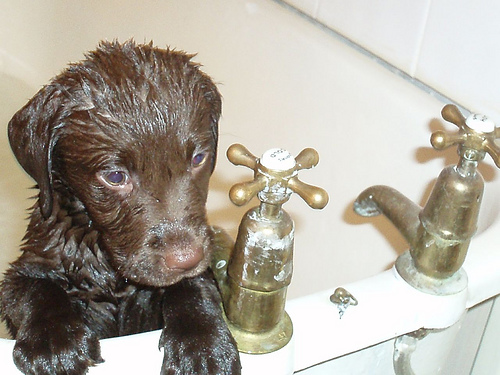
(180, 249)
(184, 260)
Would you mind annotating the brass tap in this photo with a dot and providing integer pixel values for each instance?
(254, 275)
(439, 234)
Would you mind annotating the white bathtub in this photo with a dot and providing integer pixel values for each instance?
(286, 83)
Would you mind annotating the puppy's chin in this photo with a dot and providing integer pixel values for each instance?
(155, 271)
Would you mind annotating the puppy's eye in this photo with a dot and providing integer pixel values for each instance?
(199, 159)
(115, 180)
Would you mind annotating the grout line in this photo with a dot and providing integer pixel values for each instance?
(393, 69)
(420, 42)
(495, 300)
(316, 8)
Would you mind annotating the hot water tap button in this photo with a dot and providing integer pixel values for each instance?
(277, 159)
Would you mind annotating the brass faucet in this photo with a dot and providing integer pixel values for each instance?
(254, 274)
(439, 234)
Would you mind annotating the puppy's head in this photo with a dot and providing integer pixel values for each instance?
(131, 133)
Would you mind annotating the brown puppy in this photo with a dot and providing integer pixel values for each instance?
(121, 146)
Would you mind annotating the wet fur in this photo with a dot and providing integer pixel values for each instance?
(101, 260)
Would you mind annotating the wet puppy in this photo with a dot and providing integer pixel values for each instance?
(121, 146)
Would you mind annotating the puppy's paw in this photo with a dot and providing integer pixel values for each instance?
(200, 355)
(56, 347)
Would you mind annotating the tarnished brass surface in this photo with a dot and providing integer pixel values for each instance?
(223, 248)
(265, 341)
(448, 222)
(269, 182)
(472, 143)
(254, 274)
(254, 310)
(440, 233)
(453, 284)
(262, 257)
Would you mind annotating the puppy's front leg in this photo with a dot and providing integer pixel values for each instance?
(195, 338)
(51, 335)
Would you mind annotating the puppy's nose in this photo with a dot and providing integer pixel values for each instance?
(184, 259)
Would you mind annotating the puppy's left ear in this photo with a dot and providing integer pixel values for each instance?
(32, 135)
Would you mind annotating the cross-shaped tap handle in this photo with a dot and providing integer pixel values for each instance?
(275, 177)
(476, 135)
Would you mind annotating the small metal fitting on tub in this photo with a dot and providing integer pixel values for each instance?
(342, 299)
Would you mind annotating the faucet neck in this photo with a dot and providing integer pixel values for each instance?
(469, 160)
(467, 168)
(270, 211)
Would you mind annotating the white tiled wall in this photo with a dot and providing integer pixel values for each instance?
(452, 46)
(391, 29)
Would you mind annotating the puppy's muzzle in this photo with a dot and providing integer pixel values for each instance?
(180, 249)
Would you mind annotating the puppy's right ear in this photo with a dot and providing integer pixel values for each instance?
(33, 134)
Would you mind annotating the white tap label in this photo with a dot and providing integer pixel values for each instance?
(277, 159)
(480, 123)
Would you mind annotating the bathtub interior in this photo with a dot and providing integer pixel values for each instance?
(286, 83)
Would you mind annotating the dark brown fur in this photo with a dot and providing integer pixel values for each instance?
(121, 146)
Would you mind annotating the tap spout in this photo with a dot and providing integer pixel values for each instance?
(400, 210)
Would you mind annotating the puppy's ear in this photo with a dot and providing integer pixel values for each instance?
(215, 99)
(214, 129)
(32, 136)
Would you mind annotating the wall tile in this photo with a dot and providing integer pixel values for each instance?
(460, 54)
(391, 29)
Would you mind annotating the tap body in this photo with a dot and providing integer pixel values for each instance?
(448, 221)
(254, 273)
(260, 269)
